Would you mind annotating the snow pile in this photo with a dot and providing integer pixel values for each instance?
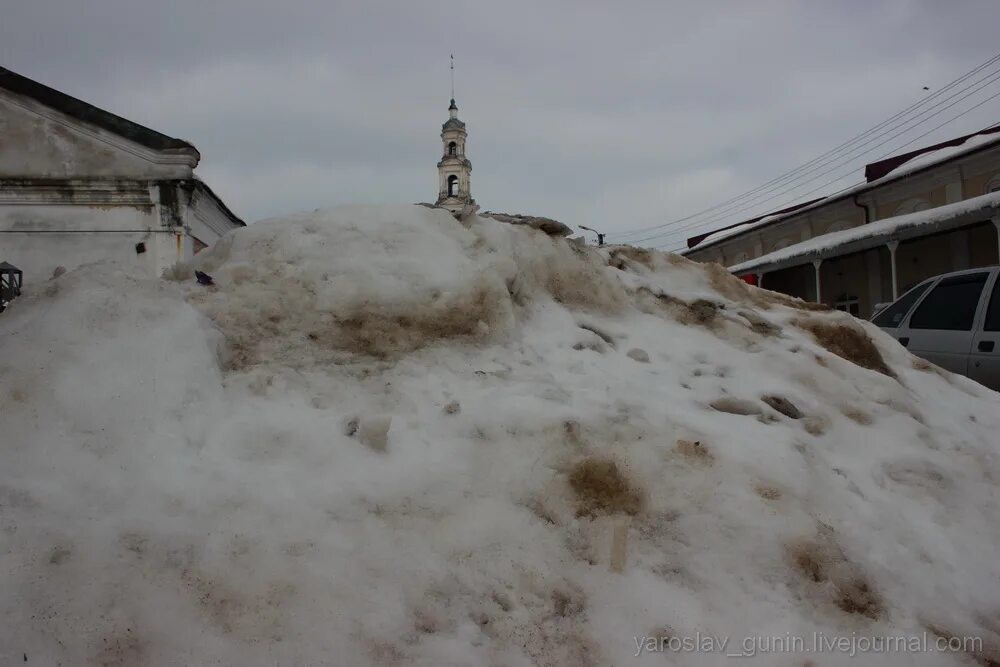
(387, 438)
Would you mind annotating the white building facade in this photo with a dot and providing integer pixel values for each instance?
(79, 184)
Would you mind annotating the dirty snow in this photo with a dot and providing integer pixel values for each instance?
(388, 438)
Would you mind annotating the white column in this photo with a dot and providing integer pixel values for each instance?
(874, 270)
(958, 242)
(892, 245)
(996, 223)
(760, 277)
(819, 285)
(953, 191)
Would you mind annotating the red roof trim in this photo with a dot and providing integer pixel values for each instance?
(877, 170)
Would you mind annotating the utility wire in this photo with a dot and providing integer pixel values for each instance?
(724, 214)
(850, 142)
(895, 150)
(844, 159)
(739, 208)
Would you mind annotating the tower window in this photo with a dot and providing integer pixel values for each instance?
(453, 186)
(452, 148)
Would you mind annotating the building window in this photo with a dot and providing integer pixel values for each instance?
(838, 226)
(453, 186)
(452, 148)
(848, 303)
(993, 185)
(912, 206)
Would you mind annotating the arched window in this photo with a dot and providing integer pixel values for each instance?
(453, 185)
(993, 185)
(452, 148)
(838, 226)
(912, 206)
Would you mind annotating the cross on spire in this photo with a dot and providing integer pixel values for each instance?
(453, 76)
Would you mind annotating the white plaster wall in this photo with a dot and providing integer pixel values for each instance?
(77, 235)
(206, 220)
(45, 216)
(36, 142)
(38, 254)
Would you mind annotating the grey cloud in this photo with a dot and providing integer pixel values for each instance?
(614, 115)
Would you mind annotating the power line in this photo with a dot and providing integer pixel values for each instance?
(734, 209)
(722, 215)
(911, 141)
(783, 177)
(786, 175)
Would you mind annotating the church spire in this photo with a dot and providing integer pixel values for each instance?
(453, 108)
(454, 169)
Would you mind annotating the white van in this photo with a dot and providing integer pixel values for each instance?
(952, 320)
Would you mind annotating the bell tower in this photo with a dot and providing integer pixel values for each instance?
(454, 169)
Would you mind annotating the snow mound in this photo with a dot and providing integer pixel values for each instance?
(383, 437)
(384, 282)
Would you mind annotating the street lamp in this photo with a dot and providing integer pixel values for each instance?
(600, 236)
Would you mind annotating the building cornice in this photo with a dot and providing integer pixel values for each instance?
(169, 156)
(74, 192)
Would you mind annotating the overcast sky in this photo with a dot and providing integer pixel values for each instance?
(616, 115)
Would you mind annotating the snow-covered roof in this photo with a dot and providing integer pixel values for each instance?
(878, 233)
(877, 174)
(907, 163)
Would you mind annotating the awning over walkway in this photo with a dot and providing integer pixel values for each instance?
(879, 233)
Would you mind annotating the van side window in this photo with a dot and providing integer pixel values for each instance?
(952, 304)
(892, 316)
(993, 312)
